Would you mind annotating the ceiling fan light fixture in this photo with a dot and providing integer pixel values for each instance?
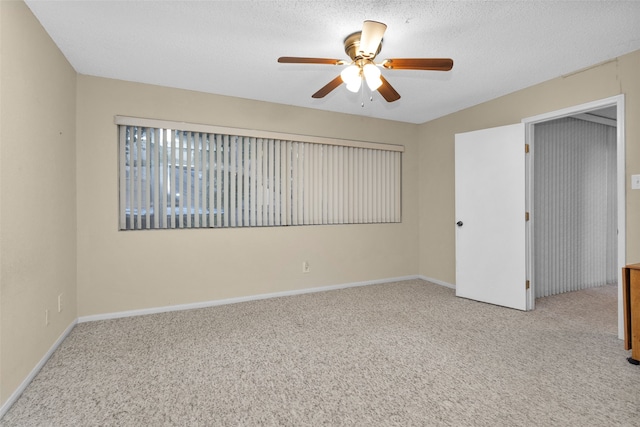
(354, 86)
(372, 33)
(352, 77)
(372, 76)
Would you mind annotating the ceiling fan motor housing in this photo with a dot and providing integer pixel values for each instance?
(352, 47)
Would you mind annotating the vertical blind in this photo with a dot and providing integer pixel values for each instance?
(174, 175)
(575, 204)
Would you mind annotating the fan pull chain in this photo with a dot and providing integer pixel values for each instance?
(362, 95)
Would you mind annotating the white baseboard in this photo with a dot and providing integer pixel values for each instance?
(437, 282)
(204, 304)
(16, 394)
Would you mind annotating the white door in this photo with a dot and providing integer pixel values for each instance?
(490, 216)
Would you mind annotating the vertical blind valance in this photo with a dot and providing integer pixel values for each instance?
(174, 175)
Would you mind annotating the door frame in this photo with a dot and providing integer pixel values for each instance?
(529, 123)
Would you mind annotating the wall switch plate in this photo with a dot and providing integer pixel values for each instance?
(59, 303)
(635, 182)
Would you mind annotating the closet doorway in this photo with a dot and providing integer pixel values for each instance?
(576, 195)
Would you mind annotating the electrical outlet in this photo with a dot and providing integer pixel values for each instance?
(635, 182)
(46, 317)
(305, 267)
(59, 303)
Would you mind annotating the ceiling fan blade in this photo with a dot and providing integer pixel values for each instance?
(370, 38)
(324, 91)
(387, 91)
(299, 60)
(434, 64)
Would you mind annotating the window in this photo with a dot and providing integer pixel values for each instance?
(177, 175)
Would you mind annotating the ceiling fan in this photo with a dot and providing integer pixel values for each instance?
(362, 47)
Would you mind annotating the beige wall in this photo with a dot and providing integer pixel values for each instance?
(436, 199)
(37, 194)
(120, 270)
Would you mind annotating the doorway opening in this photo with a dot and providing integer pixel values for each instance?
(576, 195)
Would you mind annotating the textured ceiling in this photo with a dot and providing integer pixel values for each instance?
(231, 47)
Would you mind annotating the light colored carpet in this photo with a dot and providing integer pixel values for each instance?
(406, 353)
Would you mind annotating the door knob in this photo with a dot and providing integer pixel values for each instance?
(459, 223)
